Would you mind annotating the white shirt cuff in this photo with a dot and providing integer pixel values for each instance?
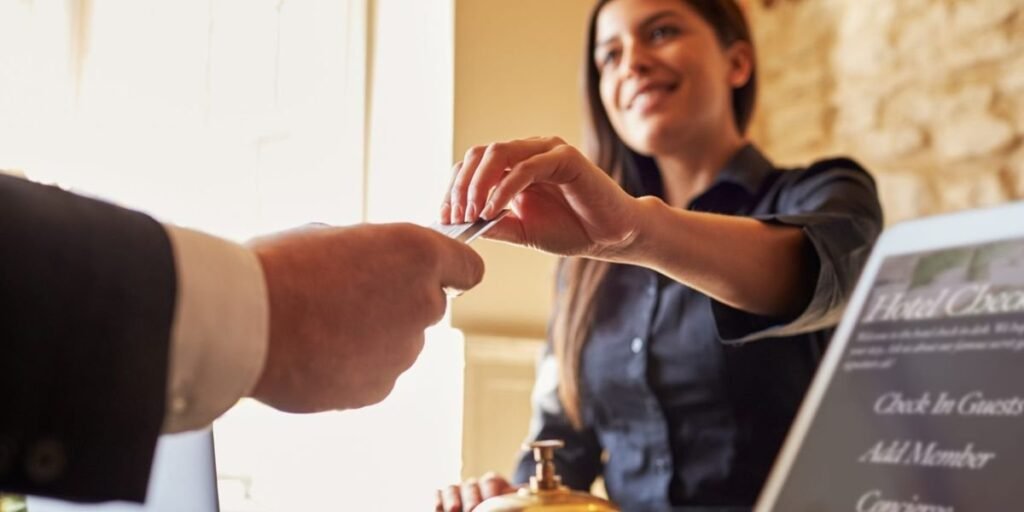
(220, 332)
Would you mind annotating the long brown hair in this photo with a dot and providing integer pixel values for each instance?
(580, 278)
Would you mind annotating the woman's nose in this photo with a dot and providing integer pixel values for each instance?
(636, 60)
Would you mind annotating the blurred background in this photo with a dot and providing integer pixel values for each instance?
(243, 116)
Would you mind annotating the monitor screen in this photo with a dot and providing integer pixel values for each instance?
(923, 410)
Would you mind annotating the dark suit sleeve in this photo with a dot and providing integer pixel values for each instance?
(87, 295)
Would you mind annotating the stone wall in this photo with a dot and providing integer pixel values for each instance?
(928, 94)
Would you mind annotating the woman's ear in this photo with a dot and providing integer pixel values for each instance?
(741, 63)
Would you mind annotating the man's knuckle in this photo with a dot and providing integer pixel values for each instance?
(382, 390)
(413, 350)
(436, 304)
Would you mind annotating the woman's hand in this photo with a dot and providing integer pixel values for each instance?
(465, 497)
(560, 201)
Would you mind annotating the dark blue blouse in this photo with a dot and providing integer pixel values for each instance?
(685, 400)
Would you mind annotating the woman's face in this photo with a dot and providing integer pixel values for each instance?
(665, 81)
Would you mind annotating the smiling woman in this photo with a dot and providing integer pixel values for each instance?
(677, 100)
(699, 283)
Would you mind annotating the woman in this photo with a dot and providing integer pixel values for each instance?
(700, 283)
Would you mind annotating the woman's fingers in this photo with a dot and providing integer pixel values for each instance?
(452, 497)
(496, 159)
(483, 168)
(438, 501)
(470, 495)
(446, 204)
(491, 485)
(509, 229)
(460, 185)
(557, 166)
(466, 497)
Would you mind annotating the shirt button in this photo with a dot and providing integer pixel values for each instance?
(637, 345)
(179, 405)
(45, 462)
(661, 464)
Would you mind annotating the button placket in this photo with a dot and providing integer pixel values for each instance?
(653, 406)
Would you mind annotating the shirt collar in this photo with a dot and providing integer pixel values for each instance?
(747, 168)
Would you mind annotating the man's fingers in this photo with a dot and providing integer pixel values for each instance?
(412, 352)
(461, 268)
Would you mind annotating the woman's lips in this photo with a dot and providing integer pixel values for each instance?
(649, 97)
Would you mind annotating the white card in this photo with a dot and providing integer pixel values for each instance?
(468, 231)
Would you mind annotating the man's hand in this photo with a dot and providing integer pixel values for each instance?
(348, 307)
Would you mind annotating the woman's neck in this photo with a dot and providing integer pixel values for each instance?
(689, 172)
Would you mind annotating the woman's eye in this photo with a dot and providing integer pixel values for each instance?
(610, 57)
(664, 32)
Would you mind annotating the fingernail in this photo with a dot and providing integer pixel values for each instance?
(488, 211)
(471, 213)
(457, 217)
(446, 212)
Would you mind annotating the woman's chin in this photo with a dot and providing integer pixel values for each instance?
(653, 141)
(665, 134)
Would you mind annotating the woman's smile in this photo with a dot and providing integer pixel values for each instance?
(664, 76)
(650, 95)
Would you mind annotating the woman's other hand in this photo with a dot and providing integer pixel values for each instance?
(560, 201)
(466, 496)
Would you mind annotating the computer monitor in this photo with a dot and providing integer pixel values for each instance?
(919, 401)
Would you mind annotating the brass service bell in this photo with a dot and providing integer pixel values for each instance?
(546, 492)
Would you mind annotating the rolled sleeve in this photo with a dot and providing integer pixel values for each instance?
(838, 210)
